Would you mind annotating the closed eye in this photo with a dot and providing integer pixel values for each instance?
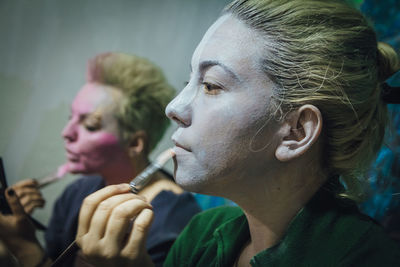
(92, 122)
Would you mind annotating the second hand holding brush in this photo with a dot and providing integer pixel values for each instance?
(135, 185)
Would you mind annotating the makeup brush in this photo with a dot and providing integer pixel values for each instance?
(54, 177)
(145, 176)
(136, 185)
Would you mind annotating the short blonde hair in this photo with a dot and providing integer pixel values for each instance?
(145, 89)
(324, 53)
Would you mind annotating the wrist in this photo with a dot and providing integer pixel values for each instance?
(28, 253)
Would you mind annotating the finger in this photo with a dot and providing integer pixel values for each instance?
(137, 237)
(91, 202)
(101, 215)
(28, 198)
(26, 183)
(120, 220)
(33, 205)
(13, 202)
(24, 191)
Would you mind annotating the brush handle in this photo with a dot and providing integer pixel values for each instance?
(143, 178)
(47, 180)
(67, 253)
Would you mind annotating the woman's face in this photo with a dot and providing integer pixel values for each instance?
(91, 136)
(225, 132)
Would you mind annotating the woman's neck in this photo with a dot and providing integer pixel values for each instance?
(125, 171)
(273, 204)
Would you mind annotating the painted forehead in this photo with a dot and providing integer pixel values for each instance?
(232, 43)
(95, 98)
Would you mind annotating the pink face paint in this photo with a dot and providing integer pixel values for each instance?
(223, 111)
(92, 139)
(62, 170)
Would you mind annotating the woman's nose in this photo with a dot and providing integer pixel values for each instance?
(180, 109)
(69, 132)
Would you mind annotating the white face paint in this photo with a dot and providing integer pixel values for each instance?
(223, 111)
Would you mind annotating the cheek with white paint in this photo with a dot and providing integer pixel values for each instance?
(226, 129)
(233, 126)
(220, 138)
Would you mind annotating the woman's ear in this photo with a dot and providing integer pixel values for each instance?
(137, 143)
(300, 131)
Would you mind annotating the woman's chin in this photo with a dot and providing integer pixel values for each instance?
(76, 172)
(189, 183)
(76, 169)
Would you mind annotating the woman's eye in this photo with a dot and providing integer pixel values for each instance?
(92, 123)
(92, 128)
(211, 89)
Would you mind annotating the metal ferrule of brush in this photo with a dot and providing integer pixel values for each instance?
(142, 179)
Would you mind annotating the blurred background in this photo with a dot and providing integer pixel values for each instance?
(383, 203)
(45, 45)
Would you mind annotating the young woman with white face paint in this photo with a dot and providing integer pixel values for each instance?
(282, 114)
(283, 108)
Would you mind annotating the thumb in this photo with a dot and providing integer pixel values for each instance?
(14, 203)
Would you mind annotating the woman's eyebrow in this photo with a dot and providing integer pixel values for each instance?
(204, 65)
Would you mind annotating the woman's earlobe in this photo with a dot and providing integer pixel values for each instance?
(305, 126)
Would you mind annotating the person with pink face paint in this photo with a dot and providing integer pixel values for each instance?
(116, 119)
(283, 113)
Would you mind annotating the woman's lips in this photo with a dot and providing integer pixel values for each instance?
(71, 156)
(179, 146)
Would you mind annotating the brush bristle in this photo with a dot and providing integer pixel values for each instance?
(164, 157)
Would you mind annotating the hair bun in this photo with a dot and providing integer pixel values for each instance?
(388, 61)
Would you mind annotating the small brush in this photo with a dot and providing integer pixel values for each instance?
(145, 176)
(136, 185)
(54, 177)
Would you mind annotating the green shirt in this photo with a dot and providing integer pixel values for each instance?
(326, 232)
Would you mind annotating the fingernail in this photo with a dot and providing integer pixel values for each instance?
(11, 192)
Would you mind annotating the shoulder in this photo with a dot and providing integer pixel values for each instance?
(334, 231)
(372, 248)
(197, 244)
(202, 226)
(85, 183)
(216, 216)
(79, 189)
(92, 181)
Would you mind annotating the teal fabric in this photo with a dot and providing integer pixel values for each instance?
(326, 232)
(207, 202)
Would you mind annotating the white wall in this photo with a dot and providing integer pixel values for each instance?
(44, 47)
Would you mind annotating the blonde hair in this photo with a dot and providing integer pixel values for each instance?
(324, 53)
(145, 89)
